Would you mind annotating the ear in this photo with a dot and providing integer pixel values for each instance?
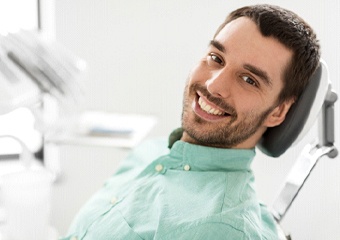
(278, 114)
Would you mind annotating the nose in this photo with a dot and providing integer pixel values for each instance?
(220, 84)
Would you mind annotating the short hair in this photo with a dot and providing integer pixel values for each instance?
(293, 32)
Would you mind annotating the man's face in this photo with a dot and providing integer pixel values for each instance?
(231, 95)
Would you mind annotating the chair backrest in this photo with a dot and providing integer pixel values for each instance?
(300, 117)
(317, 101)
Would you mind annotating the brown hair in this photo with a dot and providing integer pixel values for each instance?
(291, 31)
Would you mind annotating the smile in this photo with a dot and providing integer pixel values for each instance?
(208, 108)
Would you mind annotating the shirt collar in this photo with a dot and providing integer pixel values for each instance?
(202, 158)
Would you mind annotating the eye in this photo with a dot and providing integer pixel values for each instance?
(249, 80)
(215, 58)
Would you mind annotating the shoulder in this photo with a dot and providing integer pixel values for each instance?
(143, 154)
(150, 149)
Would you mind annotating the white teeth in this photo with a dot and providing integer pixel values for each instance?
(209, 109)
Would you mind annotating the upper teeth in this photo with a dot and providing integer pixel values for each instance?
(208, 108)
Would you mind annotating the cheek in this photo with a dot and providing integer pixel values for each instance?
(245, 105)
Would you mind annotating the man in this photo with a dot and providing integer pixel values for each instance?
(256, 66)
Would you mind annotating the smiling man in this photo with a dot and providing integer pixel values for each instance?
(232, 94)
(255, 67)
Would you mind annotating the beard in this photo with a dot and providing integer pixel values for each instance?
(228, 132)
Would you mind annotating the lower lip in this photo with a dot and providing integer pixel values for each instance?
(203, 114)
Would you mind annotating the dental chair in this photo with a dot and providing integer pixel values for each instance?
(315, 103)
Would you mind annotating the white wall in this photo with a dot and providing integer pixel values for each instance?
(139, 54)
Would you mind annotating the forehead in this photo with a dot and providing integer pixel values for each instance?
(244, 44)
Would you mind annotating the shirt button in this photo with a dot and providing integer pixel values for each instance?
(159, 167)
(113, 200)
(186, 167)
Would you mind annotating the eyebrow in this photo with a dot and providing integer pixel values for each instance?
(217, 45)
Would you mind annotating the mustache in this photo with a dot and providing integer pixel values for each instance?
(215, 100)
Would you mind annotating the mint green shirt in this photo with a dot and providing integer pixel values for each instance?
(187, 192)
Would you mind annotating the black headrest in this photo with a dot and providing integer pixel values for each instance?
(300, 117)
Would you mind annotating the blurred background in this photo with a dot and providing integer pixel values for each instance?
(138, 55)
